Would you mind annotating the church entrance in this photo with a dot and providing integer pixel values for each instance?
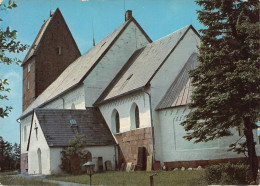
(39, 160)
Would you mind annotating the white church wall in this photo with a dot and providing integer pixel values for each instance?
(24, 132)
(123, 106)
(176, 148)
(39, 151)
(130, 40)
(73, 98)
(165, 77)
(106, 152)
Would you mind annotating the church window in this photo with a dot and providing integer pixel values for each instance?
(137, 121)
(117, 123)
(29, 67)
(134, 116)
(59, 50)
(24, 133)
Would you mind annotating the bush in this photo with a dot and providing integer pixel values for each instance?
(228, 174)
(76, 149)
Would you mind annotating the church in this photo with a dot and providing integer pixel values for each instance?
(127, 94)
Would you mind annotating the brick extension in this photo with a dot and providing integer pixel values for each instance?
(129, 143)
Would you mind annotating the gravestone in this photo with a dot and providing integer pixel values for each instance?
(100, 164)
(141, 158)
(149, 163)
(128, 167)
(108, 165)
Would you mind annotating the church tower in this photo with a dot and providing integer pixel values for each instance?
(52, 51)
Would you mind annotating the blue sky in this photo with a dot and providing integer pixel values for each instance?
(157, 17)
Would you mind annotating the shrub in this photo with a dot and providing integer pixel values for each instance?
(76, 148)
(228, 173)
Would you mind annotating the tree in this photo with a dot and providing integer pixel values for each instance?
(8, 44)
(77, 151)
(226, 81)
(9, 155)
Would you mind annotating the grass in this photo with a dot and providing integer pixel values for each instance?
(137, 178)
(6, 179)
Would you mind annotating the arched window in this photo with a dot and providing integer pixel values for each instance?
(137, 121)
(134, 117)
(73, 106)
(117, 121)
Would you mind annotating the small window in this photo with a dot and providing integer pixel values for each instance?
(73, 106)
(137, 120)
(28, 85)
(59, 50)
(117, 121)
(73, 122)
(29, 67)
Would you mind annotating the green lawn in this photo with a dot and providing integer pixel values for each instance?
(137, 178)
(6, 179)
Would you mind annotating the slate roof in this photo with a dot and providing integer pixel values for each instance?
(76, 72)
(143, 65)
(181, 89)
(57, 130)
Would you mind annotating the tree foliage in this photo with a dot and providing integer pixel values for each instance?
(76, 147)
(9, 155)
(8, 44)
(226, 81)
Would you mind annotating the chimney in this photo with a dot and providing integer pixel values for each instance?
(128, 15)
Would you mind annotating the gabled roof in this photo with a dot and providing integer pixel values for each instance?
(76, 72)
(58, 131)
(143, 66)
(37, 42)
(181, 89)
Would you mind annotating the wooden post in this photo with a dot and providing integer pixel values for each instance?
(151, 180)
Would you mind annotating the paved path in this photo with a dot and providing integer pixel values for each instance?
(42, 177)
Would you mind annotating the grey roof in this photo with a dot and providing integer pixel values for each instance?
(181, 89)
(143, 65)
(57, 129)
(79, 69)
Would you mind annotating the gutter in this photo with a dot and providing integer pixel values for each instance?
(152, 126)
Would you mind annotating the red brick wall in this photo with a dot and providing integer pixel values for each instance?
(129, 143)
(28, 94)
(48, 64)
(24, 163)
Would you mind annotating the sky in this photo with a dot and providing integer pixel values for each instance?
(158, 18)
